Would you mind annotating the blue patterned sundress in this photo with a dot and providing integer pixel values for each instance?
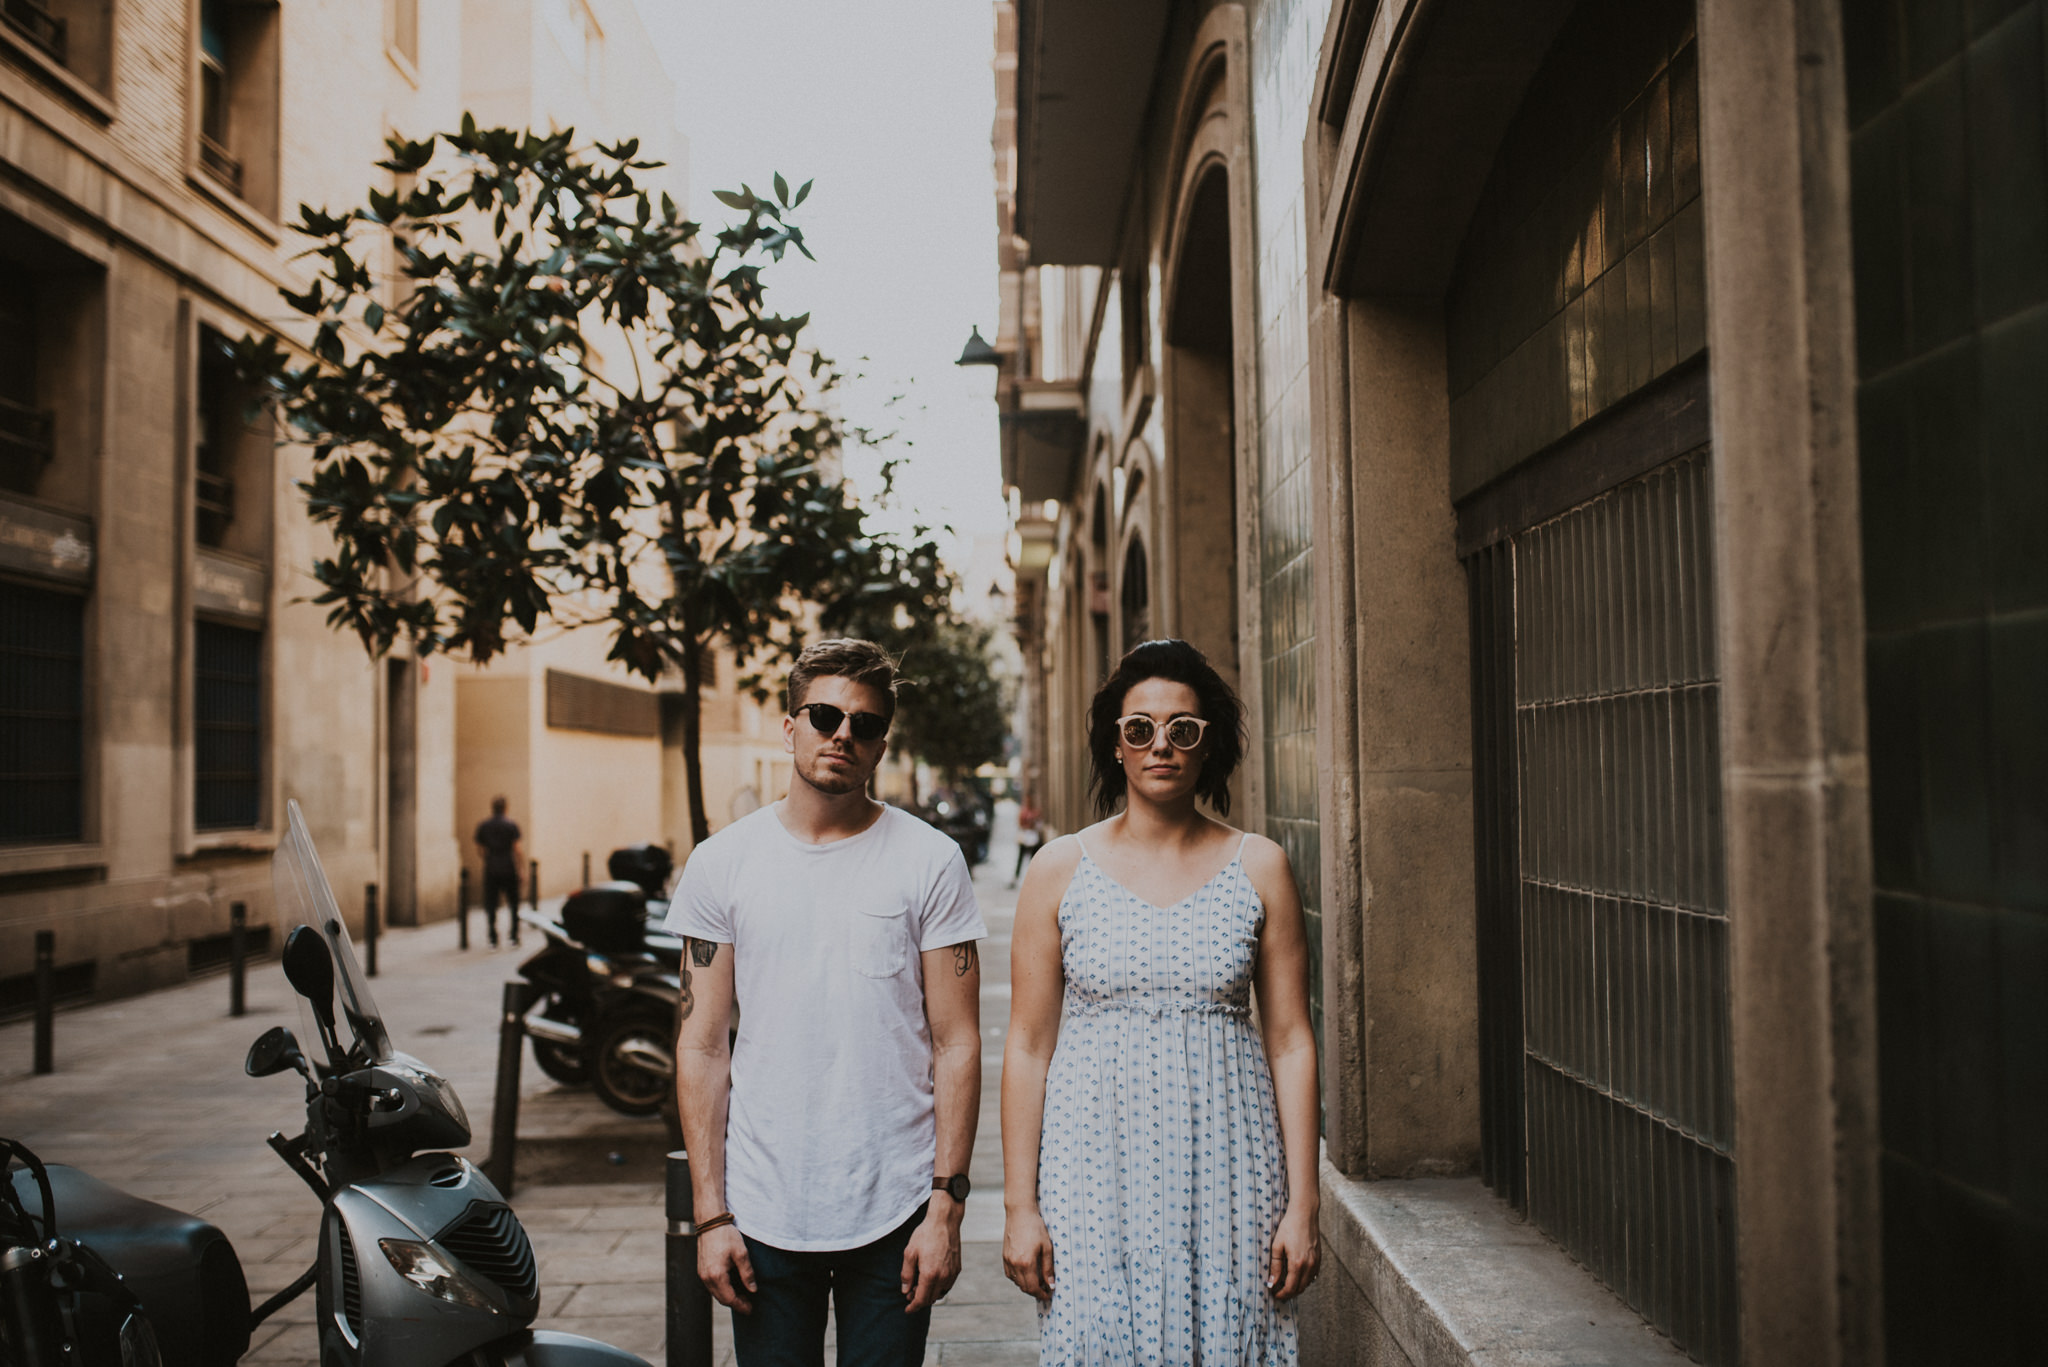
(1160, 1174)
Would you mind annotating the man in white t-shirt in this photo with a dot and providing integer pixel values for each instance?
(829, 1147)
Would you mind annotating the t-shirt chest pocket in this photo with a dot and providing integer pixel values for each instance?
(881, 940)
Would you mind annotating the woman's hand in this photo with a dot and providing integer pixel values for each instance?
(1296, 1257)
(1027, 1253)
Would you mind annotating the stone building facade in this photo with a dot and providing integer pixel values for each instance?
(1597, 440)
(165, 686)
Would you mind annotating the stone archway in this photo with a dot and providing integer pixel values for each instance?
(1205, 542)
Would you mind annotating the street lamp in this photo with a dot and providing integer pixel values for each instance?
(978, 351)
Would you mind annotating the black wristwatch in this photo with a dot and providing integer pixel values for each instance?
(957, 1186)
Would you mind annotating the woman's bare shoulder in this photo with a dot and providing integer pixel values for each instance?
(1061, 856)
(1264, 859)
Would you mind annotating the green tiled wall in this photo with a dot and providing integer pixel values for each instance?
(1950, 216)
(1585, 275)
(1285, 41)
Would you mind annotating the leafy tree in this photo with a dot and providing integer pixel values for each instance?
(955, 713)
(574, 406)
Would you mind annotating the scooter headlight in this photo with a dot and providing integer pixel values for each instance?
(429, 1270)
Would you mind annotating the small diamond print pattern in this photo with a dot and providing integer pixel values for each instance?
(1160, 1173)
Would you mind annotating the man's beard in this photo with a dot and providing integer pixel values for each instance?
(835, 782)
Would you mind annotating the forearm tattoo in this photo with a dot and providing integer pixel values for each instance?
(966, 958)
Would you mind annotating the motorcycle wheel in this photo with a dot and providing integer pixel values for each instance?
(562, 1062)
(619, 1082)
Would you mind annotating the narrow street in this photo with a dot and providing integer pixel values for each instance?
(149, 1094)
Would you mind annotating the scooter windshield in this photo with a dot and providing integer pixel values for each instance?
(304, 898)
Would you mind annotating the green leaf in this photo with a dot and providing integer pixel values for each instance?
(781, 189)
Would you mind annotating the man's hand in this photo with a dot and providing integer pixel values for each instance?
(931, 1263)
(724, 1268)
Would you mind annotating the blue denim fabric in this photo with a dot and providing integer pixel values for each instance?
(787, 1326)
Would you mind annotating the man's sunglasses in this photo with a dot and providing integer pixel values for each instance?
(825, 719)
(1182, 733)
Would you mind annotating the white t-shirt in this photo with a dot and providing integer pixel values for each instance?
(829, 1137)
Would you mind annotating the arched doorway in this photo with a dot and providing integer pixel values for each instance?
(1201, 415)
(1134, 595)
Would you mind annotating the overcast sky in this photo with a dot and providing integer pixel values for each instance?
(888, 107)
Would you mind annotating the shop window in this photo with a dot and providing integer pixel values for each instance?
(75, 34)
(42, 715)
(238, 98)
(227, 767)
(1606, 1094)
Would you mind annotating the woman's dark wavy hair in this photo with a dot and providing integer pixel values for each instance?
(1223, 743)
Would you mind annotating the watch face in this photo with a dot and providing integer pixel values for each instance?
(957, 1186)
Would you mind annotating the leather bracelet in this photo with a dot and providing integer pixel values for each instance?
(715, 1222)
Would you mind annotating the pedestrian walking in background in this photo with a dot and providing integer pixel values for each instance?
(829, 1148)
(1030, 835)
(1159, 1162)
(497, 842)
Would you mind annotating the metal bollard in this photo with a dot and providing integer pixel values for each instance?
(238, 957)
(370, 927)
(46, 1000)
(586, 868)
(505, 1103)
(689, 1304)
(462, 909)
(532, 896)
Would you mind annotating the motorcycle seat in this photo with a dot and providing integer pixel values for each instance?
(181, 1268)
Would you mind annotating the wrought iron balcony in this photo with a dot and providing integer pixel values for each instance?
(33, 20)
(220, 164)
(215, 502)
(26, 444)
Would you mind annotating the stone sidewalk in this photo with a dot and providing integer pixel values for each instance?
(149, 1094)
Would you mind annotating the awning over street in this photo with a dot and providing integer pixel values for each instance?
(1084, 76)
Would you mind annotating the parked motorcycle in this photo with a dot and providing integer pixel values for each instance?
(610, 978)
(419, 1260)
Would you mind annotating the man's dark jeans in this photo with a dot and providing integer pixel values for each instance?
(865, 1285)
(505, 885)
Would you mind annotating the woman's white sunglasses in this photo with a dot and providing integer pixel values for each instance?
(1182, 733)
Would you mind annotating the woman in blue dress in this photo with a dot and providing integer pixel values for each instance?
(1159, 1156)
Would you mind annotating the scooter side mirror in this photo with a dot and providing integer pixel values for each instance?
(309, 967)
(275, 1050)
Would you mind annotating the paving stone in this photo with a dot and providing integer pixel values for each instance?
(150, 1095)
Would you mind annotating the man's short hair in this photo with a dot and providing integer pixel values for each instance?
(843, 657)
(497, 806)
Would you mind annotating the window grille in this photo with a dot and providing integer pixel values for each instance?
(228, 727)
(42, 715)
(1607, 1102)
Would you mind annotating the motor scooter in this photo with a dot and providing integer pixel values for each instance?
(610, 979)
(419, 1260)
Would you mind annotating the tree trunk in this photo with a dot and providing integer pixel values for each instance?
(693, 741)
